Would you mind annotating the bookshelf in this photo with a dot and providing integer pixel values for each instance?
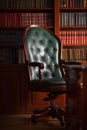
(73, 29)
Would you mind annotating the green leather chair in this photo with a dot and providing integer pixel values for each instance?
(43, 51)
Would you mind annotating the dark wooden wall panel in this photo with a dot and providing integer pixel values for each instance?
(14, 94)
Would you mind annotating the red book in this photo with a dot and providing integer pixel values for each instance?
(71, 3)
(2, 21)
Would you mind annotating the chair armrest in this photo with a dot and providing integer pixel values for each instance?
(37, 64)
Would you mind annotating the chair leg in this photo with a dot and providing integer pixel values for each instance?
(40, 113)
(59, 114)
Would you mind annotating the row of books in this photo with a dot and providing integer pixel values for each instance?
(74, 54)
(10, 4)
(15, 37)
(24, 19)
(16, 56)
(44, 19)
(12, 56)
(73, 19)
(11, 37)
(73, 37)
(73, 3)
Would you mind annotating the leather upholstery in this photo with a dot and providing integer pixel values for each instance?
(42, 53)
(44, 48)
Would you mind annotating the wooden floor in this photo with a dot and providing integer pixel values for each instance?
(22, 122)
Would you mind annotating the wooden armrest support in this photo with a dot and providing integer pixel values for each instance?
(37, 64)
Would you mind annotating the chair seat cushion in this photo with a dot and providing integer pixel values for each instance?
(48, 86)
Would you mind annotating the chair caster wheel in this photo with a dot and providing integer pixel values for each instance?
(68, 126)
(34, 121)
(62, 123)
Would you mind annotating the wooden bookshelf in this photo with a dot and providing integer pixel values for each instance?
(73, 29)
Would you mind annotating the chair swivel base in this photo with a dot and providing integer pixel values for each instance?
(53, 111)
(50, 111)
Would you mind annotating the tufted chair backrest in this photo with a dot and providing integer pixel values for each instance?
(41, 46)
